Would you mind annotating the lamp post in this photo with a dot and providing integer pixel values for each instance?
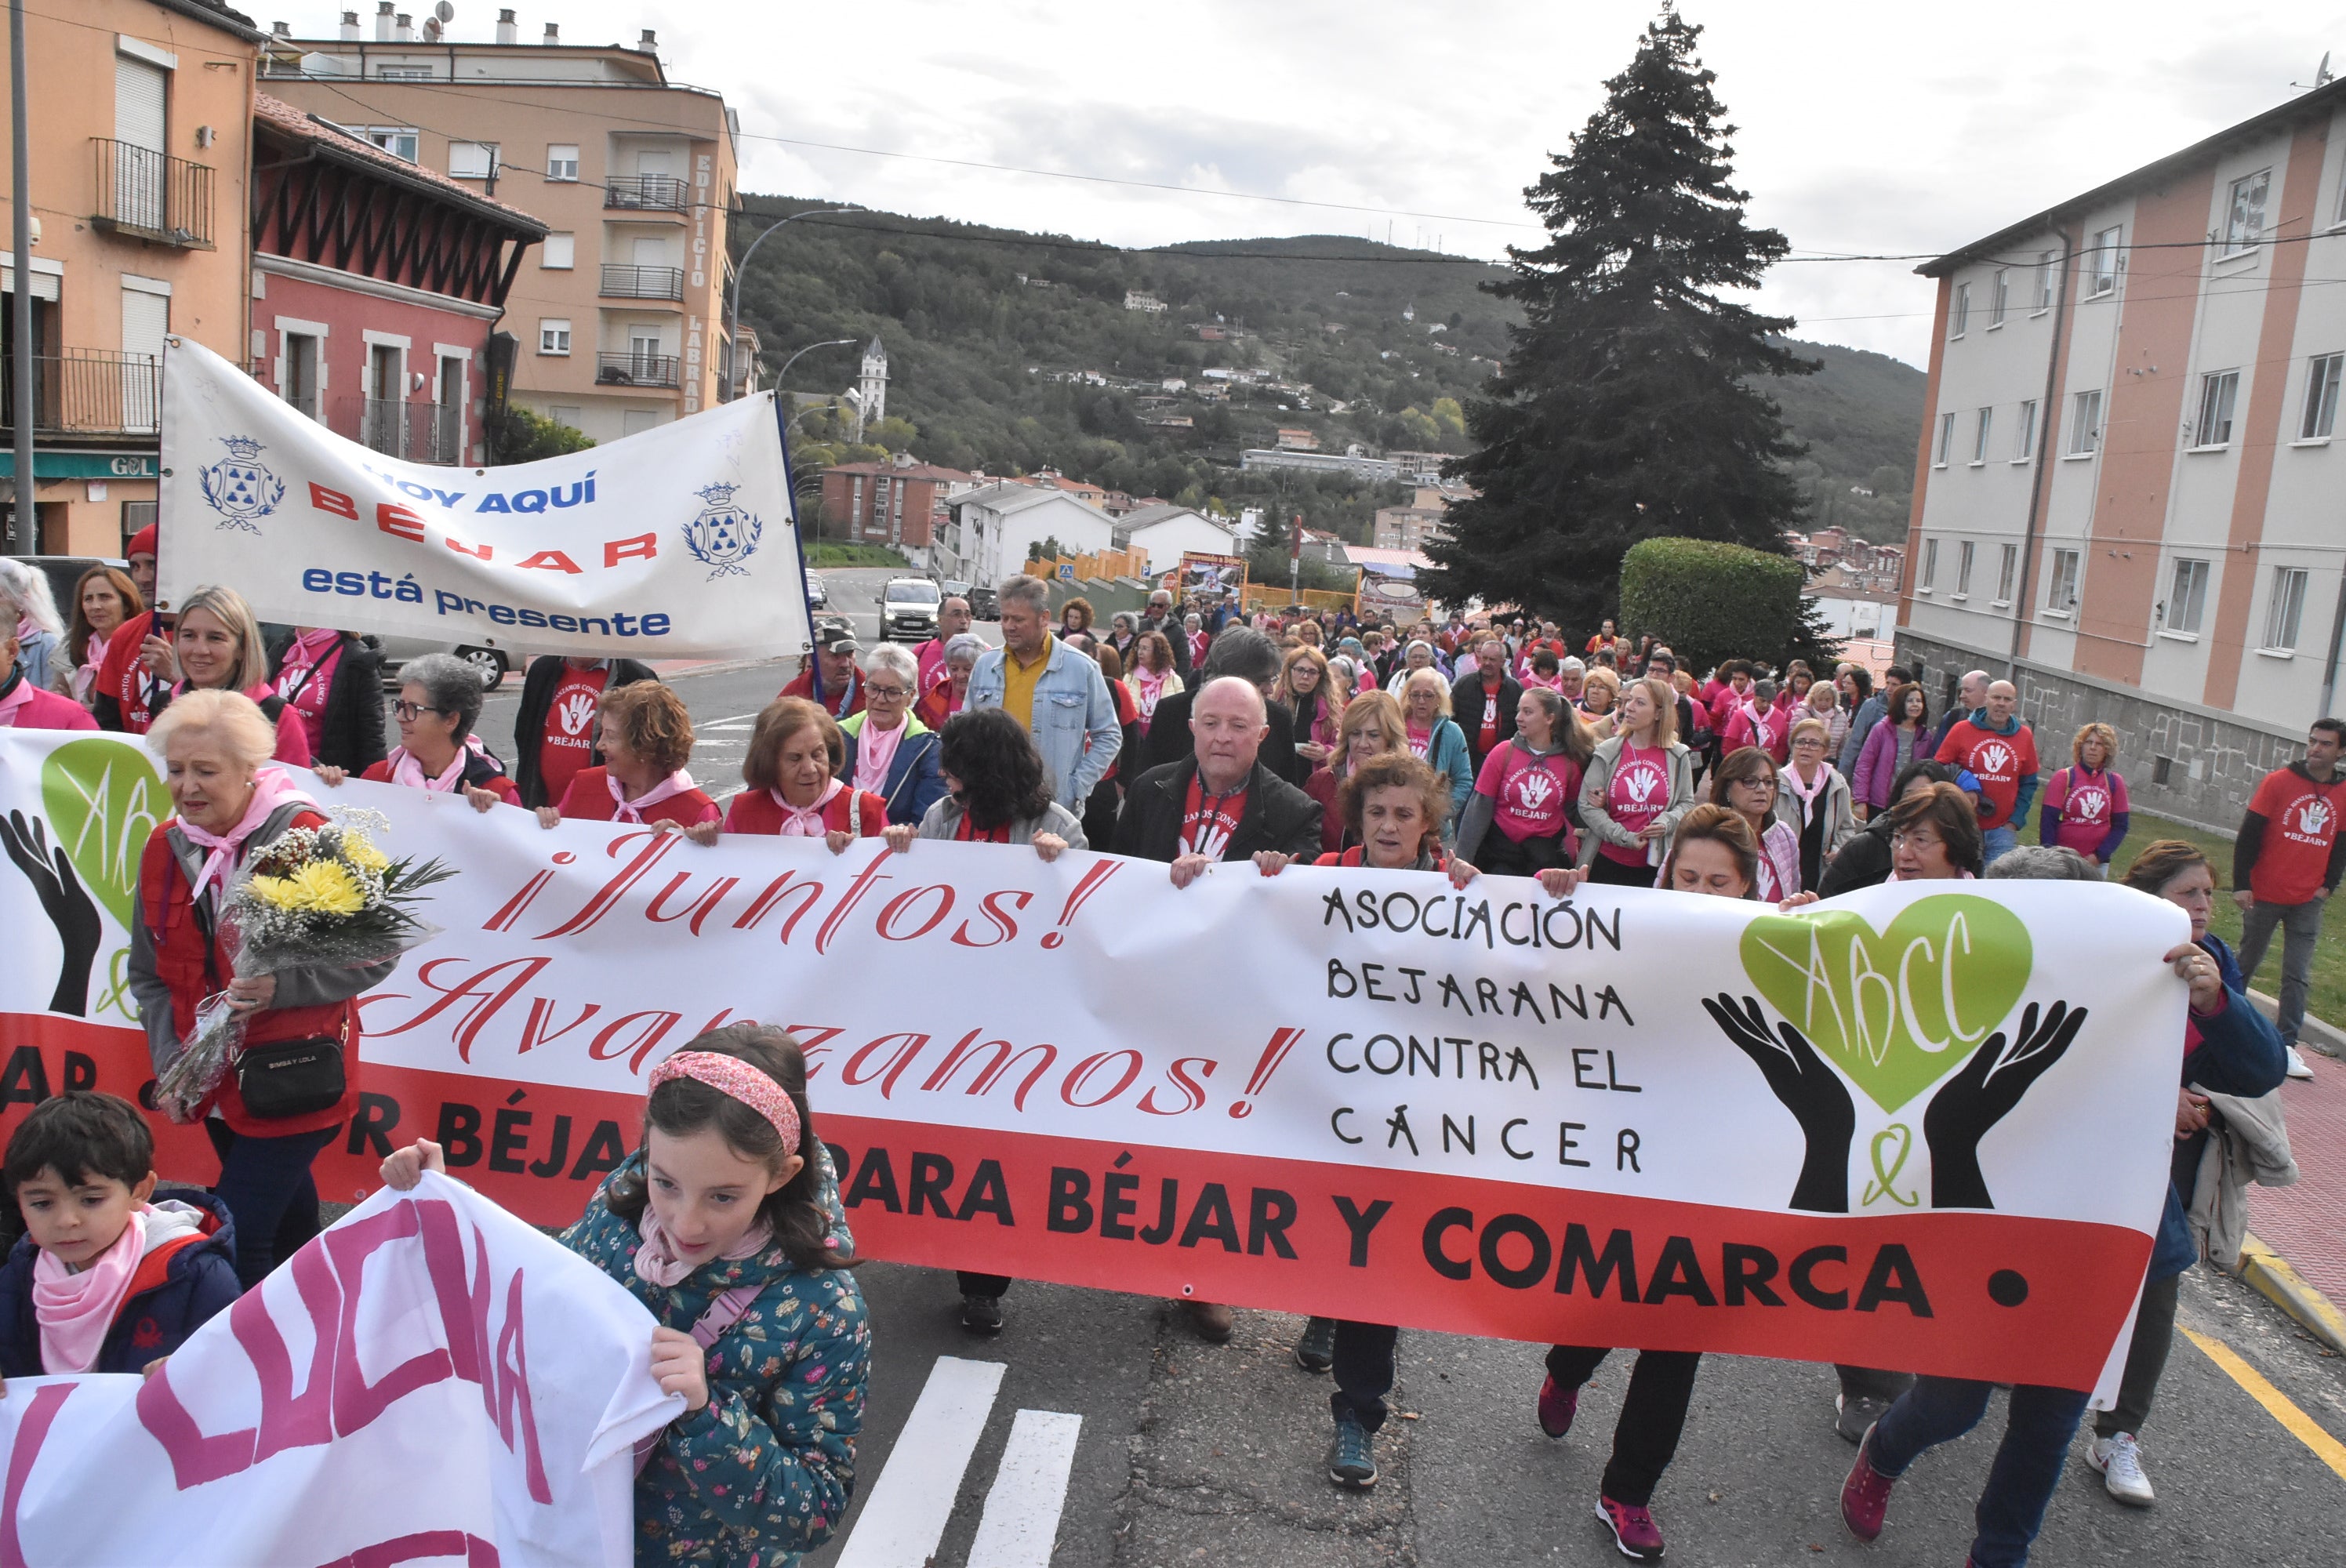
(23, 513)
(829, 343)
(740, 280)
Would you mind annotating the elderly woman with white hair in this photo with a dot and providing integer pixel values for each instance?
(890, 752)
(230, 804)
(31, 609)
(948, 691)
(1418, 656)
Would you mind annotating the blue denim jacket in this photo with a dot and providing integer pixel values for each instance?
(1072, 707)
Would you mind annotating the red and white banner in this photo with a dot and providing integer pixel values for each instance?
(430, 1381)
(1923, 1128)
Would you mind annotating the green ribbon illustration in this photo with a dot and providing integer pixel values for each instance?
(1879, 1187)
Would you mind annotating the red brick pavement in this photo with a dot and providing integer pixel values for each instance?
(2306, 1223)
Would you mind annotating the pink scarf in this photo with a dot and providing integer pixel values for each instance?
(405, 769)
(1148, 688)
(660, 1261)
(1805, 795)
(875, 748)
(20, 694)
(85, 674)
(272, 788)
(76, 1310)
(627, 811)
(805, 822)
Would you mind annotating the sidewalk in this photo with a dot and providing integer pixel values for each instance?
(2305, 1224)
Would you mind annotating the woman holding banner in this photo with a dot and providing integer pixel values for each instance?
(645, 740)
(1372, 725)
(216, 746)
(796, 755)
(439, 702)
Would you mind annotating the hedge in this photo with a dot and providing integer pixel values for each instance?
(1710, 601)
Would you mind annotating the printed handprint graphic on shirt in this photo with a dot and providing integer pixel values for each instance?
(2313, 816)
(577, 712)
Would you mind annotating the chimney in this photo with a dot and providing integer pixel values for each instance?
(349, 27)
(280, 30)
(650, 43)
(382, 21)
(553, 35)
(508, 32)
(403, 28)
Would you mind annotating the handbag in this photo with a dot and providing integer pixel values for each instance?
(281, 1079)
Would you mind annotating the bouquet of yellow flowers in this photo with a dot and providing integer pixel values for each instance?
(316, 897)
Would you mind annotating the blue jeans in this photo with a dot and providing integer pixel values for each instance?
(2036, 1435)
(2301, 929)
(1997, 843)
(265, 1184)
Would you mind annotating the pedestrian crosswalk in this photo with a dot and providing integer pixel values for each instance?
(903, 1518)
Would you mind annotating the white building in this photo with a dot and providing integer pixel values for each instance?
(992, 529)
(1166, 531)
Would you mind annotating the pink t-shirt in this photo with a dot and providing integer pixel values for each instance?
(2083, 802)
(307, 677)
(1637, 793)
(1528, 794)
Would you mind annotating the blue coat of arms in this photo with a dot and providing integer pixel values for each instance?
(239, 486)
(725, 534)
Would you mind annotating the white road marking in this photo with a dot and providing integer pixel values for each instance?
(906, 1515)
(1022, 1512)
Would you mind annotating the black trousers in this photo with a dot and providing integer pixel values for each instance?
(1502, 857)
(988, 1285)
(2154, 1333)
(1364, 1370)
(1653, 1414)
(1606, 869)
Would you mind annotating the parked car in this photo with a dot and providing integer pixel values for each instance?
(908, 609)
(952, 588)
(491, 660)
(985, 605)
(818, 597)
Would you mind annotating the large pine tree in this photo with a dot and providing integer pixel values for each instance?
(1630, 405)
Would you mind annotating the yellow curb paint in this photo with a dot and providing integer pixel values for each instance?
(2303, 1427)
(2288, 1289)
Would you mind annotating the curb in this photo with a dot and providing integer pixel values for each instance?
(2322, 1036)
(2266, 1269)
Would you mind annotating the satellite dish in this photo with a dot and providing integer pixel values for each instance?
(431, 29)
(445, 12)
(2322, 71)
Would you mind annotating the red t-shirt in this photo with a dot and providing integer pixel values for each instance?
(1528, 794)
(2000, 761)
(568, 743)
(121, 676)
(1208, 822)
(1637, 793)
(1488, 735)
(2301, 826)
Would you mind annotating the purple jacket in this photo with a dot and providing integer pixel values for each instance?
(1878, 765)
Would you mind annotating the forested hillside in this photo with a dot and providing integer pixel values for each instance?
(1016, 352)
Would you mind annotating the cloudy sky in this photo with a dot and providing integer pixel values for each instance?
(1864, 127)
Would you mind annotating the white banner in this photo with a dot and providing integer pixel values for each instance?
(430, 1381)
(677, 543)
(1926, 1126)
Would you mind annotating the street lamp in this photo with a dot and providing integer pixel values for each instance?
(741, 278)
(783, 373)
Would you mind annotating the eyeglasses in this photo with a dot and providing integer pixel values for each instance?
(1807, 743)
(1918, 843)
(886, 693)
(411, 711)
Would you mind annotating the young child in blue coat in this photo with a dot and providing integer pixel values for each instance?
(726, 1224)
(112, 1274)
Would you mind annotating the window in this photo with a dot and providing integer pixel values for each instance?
(2047, 271)
(472, 159)
(1964, 553)
(2086, 423)
(2287, 609)
(2102, 263)
(299, 377)
(397, 141)
(1946, 438)
(558, 252)
(2321, 421)
(1929, 576)
(1979, 436)
(2024, 439)
(2216, 391)
(404, 73)
(2061, 599)
(1999, 295)
(2005, 572)
(561, 163)
(2244, 220)
(2187, 600)
(553, 336)
(1961, 315)
(575, 418)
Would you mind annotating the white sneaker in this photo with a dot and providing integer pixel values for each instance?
(2297, 1067)
(2119, 1461)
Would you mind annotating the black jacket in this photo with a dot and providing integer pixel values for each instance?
(1864, 861)
(350, 732)
(1278, 815)
(529, 724)
(1170, 740)
(1177, 636)
(1466, 708)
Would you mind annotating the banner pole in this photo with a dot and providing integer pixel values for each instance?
(790, 487)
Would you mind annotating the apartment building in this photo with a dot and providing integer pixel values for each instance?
(1410, 527)
(2131, 493)
(141, 116)
(620, 311)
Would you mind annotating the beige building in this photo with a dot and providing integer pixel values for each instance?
(142, 131)
(619, 313)
(1410, 527)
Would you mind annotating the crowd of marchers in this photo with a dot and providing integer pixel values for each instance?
(1192, 733)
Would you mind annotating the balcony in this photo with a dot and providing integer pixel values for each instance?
(89, 391)
(647, 193)
(411, 431)
(623, 283)
(632, 370)
(152, 196)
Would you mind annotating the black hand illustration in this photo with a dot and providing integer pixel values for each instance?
(68, 904)
(1979, 1095)
(1809, 1089)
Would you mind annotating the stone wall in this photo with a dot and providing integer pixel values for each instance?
(2180, 761)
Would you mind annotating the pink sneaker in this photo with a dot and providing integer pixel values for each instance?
(1556, 1408)
(1865, 1495)
(1634, 1530)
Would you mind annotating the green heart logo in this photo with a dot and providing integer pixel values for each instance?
(1899, 1011)
(104, 798)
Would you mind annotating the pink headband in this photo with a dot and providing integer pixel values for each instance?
(733, 1076)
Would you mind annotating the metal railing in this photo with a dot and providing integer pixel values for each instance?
(623, 282)
(152, 195)
(632, 369)
(412, 432)
(89, 391)
(647, 192)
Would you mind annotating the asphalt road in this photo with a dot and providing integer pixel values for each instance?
(1095, 1430)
